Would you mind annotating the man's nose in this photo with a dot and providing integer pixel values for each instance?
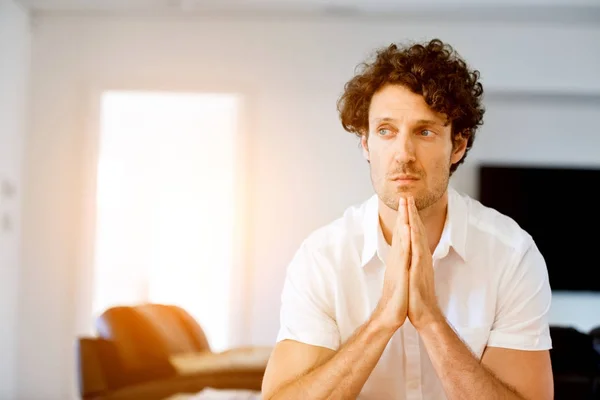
(404, 148)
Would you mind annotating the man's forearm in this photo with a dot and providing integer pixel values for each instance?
(462, 375)
(344, 375)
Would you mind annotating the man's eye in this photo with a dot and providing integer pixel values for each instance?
(426, 133)
(383, 131)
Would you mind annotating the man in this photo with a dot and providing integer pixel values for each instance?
(420, 292)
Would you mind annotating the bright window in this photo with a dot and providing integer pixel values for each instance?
(165, 204)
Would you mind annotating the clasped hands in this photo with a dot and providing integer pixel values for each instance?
(408, 288)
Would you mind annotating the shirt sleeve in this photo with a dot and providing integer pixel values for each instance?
(523, 304)
(307, 307)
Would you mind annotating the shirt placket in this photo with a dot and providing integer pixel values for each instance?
(412, 350)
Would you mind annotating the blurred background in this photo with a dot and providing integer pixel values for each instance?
(178, 152)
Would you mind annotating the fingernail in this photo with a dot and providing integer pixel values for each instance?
(402, 200)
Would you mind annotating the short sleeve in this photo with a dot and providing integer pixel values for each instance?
(307, 308)
(524, 299)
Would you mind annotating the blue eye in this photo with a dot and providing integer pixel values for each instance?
(383, 131)
(426, 133)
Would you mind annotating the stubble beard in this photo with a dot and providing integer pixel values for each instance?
(424, 198)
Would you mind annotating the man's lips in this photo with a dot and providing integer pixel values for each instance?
(405, 178)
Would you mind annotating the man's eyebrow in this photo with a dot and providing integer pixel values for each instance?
(418, 122)
(431, 122)
(384, 119)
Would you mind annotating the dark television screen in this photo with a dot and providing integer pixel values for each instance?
(559, 208)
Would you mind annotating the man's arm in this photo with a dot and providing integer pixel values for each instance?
(502, 374)
(301, 371)
(520, 323)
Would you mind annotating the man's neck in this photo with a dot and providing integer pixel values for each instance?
(433, 217)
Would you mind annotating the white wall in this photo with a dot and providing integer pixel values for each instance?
(14, 76)
(305, 169)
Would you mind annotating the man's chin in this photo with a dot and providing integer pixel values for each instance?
(407, 192)
(391, 200)
(422, 201)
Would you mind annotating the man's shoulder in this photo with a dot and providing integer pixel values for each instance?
(344, 232)
(490, 224)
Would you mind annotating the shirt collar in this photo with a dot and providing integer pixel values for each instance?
(453, 236)
(371, 228)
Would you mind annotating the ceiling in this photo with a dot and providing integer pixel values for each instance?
(340, 6)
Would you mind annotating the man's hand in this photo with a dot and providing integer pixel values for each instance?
(422, 301)
(393, 305)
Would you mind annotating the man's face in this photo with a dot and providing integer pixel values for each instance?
(409, 148)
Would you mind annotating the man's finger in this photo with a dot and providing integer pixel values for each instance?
(403, 229)
(416, 225)
(402, 218)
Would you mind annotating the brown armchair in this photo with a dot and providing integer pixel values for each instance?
(153, 351)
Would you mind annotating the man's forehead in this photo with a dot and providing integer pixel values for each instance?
(396, 103)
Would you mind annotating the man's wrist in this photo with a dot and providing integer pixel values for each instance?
(433, 325)
(378, 323)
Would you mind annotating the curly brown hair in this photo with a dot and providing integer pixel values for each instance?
(433, 70)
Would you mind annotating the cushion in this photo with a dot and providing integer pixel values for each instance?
(243, 358)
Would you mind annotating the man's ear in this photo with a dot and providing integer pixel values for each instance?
(364, 144)
(459, 147)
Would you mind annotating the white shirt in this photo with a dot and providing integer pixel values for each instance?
(490, 279)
